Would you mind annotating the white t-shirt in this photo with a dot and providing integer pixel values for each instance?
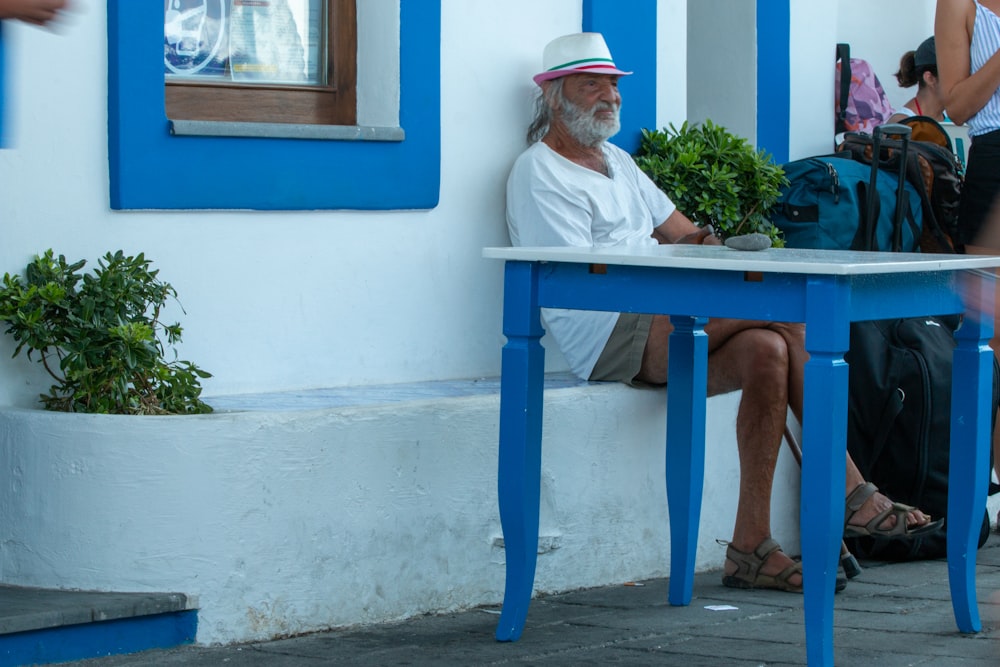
(552, 201)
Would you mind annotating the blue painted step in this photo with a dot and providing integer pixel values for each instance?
(43, 626)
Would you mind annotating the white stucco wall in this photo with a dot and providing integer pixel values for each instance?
(672, 63)
(879, 33)
(281, 522)
(279, 300)
(386, 512)
(895, 27)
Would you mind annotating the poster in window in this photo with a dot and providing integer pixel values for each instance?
(246, 41)
(195, 37)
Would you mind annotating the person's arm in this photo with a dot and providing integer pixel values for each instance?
(677, 228)
(35, 12)
(963, 94)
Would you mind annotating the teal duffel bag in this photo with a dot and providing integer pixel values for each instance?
(826, 205)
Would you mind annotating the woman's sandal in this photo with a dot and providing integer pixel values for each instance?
(748, 574)
(860, 495)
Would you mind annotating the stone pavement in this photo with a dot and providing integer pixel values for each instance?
(891, 615)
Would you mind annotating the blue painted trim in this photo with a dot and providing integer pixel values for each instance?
(92, 640)
(629, 28)
(3, 90)
(150, 169)
(773, 77)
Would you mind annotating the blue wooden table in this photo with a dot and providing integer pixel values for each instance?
(825, 289)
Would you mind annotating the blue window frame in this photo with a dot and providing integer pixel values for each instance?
(152, 169)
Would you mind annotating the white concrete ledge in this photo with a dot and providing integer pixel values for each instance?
(285, 520)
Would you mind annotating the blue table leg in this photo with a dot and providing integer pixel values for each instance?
(685, 451)
(520, 455)
(971, 413)
(824, 457)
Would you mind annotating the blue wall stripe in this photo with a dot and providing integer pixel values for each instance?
(773, 77)
(629, 28)
(150, 169)
(3, 90)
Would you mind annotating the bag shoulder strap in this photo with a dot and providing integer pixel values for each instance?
(844, 56)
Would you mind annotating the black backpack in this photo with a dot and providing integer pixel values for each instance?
(899, 423)
(933, 170)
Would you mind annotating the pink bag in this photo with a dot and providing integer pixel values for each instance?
(866, 104)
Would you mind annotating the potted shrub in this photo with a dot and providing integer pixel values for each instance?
(714, 177)
(99, 335)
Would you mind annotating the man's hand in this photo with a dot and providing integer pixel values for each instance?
(677, 229)
(704, 236)
(35, 12)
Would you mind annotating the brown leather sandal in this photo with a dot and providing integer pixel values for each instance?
(860, 495)
(748, 574)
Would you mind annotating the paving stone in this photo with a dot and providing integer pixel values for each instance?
(893, 615)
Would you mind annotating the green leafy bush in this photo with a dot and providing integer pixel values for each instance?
(100, 336)
(714, 177)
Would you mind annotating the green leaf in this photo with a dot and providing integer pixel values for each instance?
(714, 177)
(99, 336)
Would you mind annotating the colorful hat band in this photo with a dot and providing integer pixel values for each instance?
(587, 63)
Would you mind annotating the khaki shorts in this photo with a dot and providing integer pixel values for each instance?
(622, 356)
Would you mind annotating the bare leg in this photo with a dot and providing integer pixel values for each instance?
(794, 335)
(755, 359)
(766, 360)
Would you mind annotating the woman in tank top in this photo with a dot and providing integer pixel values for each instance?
(967, 36)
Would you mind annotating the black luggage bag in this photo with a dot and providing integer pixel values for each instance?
(899, 386)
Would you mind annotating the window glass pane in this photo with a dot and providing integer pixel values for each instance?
(245, 41)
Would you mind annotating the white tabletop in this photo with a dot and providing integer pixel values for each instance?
(772, 260)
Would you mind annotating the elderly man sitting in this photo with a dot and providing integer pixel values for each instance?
(573, 188)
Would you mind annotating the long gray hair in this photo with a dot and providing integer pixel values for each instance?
(543, 109)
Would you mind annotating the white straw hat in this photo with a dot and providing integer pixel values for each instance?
(578, 53)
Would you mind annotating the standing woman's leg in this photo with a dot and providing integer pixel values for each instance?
(979, 224)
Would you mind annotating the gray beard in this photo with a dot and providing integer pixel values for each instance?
(585, 128)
